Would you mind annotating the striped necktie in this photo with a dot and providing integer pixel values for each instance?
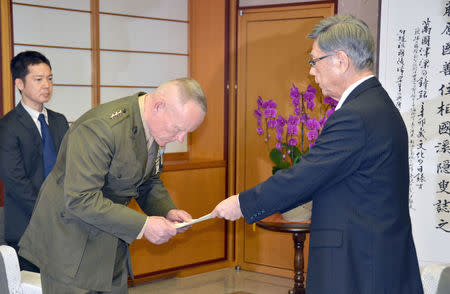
(48, 148)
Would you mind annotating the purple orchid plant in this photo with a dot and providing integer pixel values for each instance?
(289, 133)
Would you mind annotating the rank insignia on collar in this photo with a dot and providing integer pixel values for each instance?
(117, 113)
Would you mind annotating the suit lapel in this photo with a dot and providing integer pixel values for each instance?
(55, 129)
(27, 122)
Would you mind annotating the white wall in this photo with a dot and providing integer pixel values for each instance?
(247, 3)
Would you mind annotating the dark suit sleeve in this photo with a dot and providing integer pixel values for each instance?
(336, 155)
(12, 171)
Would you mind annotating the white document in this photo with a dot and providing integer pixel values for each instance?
(197, 220)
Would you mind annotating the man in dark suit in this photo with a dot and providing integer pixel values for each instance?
(357, 176)
(81, 226)
(21, 144)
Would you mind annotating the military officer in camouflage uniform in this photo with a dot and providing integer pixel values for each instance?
(81, 227)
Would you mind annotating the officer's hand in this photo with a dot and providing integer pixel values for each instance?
(179, 216)
(159, 230)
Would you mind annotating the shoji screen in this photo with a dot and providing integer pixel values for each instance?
(61, 31)
(142, 44)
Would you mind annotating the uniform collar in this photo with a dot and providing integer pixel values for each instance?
(148, 136)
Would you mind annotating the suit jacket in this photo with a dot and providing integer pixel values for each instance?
(22, 168)
(357, 175)
(81, 213)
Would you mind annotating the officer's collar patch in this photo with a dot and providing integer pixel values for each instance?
(118, 113)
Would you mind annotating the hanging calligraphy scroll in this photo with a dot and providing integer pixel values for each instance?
(414, 68)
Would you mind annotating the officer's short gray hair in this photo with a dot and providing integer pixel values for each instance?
(349, 34)
(189, 89)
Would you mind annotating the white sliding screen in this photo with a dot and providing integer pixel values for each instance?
(142, 45)
(101, 50)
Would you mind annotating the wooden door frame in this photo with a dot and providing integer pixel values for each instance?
(7, 89)
(235, 163)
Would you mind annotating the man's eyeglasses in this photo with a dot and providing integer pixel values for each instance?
(313, 62)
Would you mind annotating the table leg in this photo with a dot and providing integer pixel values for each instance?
(299, 278)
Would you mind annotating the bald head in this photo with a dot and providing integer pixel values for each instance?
(175, 109)
(188, 90)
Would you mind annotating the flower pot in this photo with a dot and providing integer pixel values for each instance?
(299, 214)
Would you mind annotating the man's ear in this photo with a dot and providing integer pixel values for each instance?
(159, 105)
(19, 84)
(343, 61)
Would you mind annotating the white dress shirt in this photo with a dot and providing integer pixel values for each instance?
(35, 114)
(350, 89)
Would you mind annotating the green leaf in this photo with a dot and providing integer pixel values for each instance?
(294, 153)
(275, 169)
(283, 165)
(276, 156)
(299, 157)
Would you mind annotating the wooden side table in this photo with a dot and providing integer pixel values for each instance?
(298, 231)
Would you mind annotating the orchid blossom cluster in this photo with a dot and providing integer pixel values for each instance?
(290, 143)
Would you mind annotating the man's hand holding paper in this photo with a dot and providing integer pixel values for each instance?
(228, 209)
(159, 230)
(179, 216)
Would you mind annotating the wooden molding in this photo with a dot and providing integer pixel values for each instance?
(176, 157)
(175, 165)
(233, 228)
(145, 52)
(145, 17)
(287, 5)
(260, 72)
(181, 272)
(71, 85)
(128, 86)
(95, 56)
(51, 46)
(7, 53)
(50, 7)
